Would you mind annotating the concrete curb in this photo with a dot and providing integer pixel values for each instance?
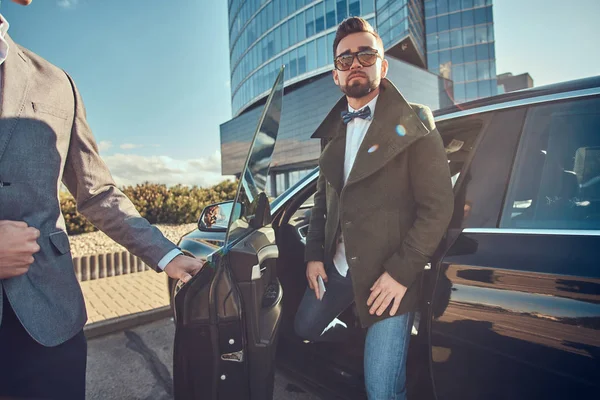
(112, 325)
(105, 265)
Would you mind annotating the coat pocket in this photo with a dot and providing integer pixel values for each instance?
(49, 109)
(60, 242)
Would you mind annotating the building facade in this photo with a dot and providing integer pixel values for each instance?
(266, 34)
(297, 33)
(508, 82)
(461, 46)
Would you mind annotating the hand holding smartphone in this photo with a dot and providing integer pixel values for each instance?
(321, 287)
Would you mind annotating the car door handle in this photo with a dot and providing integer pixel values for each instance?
(269, 252)
(302, 231)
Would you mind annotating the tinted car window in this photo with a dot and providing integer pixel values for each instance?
(459, 138)
(556, 180)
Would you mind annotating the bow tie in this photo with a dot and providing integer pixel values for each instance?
(348, 116)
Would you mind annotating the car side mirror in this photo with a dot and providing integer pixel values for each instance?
(215, 217)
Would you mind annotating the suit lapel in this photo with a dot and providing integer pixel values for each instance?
(15, 85)
(383, 142)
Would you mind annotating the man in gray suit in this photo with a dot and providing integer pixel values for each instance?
(45, 140)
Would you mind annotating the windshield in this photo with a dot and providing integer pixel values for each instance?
(253, 180)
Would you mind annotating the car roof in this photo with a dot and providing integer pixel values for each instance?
(557, 91)
(571, 89)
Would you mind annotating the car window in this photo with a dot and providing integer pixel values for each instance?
(292, 189)
(556, 180)
(459, 138)
(481, 159)
(309, 203)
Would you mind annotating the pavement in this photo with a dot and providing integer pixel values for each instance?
(130, 340)
(137, 363)
(124, 301)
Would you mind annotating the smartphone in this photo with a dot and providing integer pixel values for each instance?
(321, 287)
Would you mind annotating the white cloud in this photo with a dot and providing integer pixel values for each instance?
(129, 146)
(67, 3)
(211, 163)
(130, 169)
(104, 145)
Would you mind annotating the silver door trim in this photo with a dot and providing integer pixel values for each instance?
(582, 93)
(268, 252)
(553, 232)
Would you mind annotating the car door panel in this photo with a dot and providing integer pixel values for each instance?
(239, 332)
(228, 315)
(516, 312)
(211, 312)
(479, 191)
(255, 261)
(518, 324)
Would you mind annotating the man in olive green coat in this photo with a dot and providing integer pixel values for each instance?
(384, 200)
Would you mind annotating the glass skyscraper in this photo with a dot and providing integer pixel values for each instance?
(460, 45)
(400, 23)
(265, 34)
(428, 43)
(452, 38)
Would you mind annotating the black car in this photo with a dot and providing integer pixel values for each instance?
(510, 302)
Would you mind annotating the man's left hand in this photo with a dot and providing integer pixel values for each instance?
(384, 290)
(183, 267)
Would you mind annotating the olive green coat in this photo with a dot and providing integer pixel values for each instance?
(396, 205)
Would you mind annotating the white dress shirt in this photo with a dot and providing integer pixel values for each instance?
(3, 55)
(3, 47)
(355, 133)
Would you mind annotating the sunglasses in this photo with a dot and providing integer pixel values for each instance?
(366, 58)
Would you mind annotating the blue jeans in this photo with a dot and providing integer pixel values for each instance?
(386, 345)
(315, 315)
(386, 350)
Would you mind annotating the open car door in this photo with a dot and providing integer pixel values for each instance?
(228, 315)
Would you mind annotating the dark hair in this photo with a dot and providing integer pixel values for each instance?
(354, 25)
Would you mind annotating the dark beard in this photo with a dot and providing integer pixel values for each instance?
(357, 90)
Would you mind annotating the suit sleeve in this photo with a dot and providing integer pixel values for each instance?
(87, 177)
(432, 191)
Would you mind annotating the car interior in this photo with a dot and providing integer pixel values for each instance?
(342, 361)
(559, 181)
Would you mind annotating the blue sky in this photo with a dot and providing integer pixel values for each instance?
(154, 74)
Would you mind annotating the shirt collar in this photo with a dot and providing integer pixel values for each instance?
(3, 43)
(370, 104)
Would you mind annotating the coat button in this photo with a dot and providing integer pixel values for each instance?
(354, 259)
(348, 223)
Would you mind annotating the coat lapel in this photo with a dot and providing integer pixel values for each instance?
(331, 162)
(15, 86)
(395, 126)
(381, 144)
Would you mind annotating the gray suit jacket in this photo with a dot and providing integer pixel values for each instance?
(45, 140)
